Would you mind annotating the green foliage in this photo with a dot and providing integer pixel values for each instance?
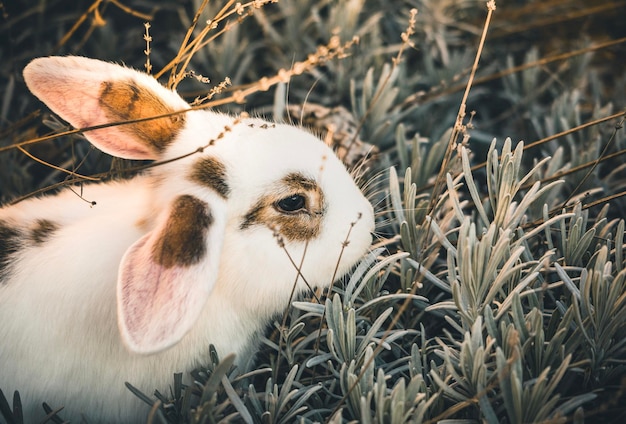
(496, 291)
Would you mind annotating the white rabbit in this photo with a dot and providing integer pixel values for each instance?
(193, 252)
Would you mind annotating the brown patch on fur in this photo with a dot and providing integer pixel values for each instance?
(125, 101)
(300, 225)
(210, 172)
(142, 223)
(43, 229)
(181, 243)
(10, 242)
(298, 182)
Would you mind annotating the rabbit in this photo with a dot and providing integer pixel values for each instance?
(133, 280)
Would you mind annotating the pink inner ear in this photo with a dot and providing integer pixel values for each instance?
(88, 92)
(157, 306)
(114, 142)
(165, 277)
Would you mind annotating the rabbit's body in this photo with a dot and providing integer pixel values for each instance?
(197, 251)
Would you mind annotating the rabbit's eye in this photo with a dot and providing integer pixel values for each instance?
(291, 204)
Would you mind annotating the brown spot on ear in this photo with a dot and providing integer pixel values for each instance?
(300, 226)
(211, 172)
(125, 100)
(181, 242)
(9, 245)
(42, 230)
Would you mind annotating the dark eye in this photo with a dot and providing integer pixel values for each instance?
(291, 204)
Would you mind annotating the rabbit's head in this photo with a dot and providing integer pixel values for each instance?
(240, 208)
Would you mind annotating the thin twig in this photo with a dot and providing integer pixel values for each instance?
(48, 164)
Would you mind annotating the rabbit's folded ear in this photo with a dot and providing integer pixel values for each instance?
(166, 276)
(88, 92)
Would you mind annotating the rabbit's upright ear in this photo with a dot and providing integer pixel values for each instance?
(88, 92)
(166, 276)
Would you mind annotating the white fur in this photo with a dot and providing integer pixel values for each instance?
(59, 331)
